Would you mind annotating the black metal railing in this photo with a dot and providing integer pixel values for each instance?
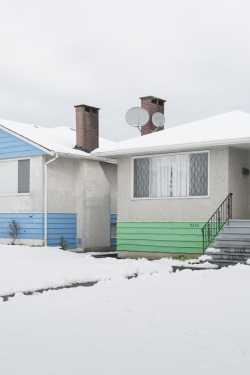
(217, 221)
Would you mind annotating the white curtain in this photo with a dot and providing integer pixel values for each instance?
(169, 176)
(9, 177)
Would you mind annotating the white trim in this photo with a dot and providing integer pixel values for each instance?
(172, 153)
(189, 197)
(14, 194)
(61, 154)
(88, 157)
(172, 148)
(46, 196)
(19, 158)
(27, 140)
(169, 154)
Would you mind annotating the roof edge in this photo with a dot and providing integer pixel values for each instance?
(48, 151)
(157, 149)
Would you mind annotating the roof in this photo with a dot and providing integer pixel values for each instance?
(230, 128)
(58, 140)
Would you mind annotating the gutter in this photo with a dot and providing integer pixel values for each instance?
(175, 147)
(46, 196)
(90, 157)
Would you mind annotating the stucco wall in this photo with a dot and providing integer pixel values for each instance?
(32, 202)
(74, 186)
(82, 187)
(96, 206)
(173, 209)
(62, 185)
(110, 171)
(239, 185)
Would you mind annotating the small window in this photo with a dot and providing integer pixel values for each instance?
(154, 101)
(160, 102)
(94, 110)
(113, 230)
(87, 109)
(23, 176)
(15, 176)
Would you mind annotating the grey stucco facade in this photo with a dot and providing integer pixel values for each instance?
(238, 184)
(225, 176)
(87, 188)
(75, 186)
(33, 201)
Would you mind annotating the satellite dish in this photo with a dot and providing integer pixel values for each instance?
(137, 116)
(158, 119)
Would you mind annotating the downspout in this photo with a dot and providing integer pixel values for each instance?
(46, 197)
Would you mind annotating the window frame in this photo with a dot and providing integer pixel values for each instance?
(169, 154)
(115, 229)
(15, 194)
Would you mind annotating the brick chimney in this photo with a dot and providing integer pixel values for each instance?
(152, 105)
(87, 127)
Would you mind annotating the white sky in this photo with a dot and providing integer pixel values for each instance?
(56, 54)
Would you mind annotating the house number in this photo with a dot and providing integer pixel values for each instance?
(193, 225)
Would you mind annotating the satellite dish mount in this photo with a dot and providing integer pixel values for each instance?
(138, 117)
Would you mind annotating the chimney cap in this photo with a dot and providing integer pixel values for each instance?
(85, 105)
(152, 97)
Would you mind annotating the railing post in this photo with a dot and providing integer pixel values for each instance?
(217, 221)
(203, 240)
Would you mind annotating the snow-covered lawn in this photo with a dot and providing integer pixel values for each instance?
(24, 268)
(188, 322)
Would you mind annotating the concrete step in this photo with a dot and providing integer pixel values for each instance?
(232, 229)
(231, 243)
(239, 223)
(234, 236)
(233, 256)
(229, 250)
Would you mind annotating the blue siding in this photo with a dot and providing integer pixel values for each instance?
(62, 225)
(32, 227)
(13, 147)
(113, 219)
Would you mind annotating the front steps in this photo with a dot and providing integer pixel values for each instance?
(233, 244)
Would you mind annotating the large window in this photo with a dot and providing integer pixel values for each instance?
(15, 176)
(176, 175)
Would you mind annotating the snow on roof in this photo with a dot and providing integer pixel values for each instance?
(228, 128)
(58, 140)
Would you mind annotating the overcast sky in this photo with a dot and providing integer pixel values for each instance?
(56, 54)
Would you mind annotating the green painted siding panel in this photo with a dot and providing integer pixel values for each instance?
(169, 237)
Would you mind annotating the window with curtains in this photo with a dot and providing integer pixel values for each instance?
(175, 175)
(15, 176)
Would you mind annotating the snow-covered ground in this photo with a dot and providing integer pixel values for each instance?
(24, 268)
(188, 322)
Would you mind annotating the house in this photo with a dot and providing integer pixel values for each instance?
(52, 187)
(170, 182)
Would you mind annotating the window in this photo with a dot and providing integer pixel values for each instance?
(113, 230)
(176, 175)
(15, 176)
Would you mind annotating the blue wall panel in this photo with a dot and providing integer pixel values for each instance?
(13, 147)
(62, 225)
(113, 219)
(32, 227)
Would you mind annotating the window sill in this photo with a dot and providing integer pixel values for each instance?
(14, 194)
(170, 198)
